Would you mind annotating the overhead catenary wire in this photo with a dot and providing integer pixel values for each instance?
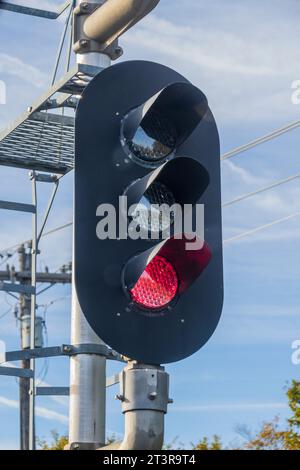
(236, 200)
(69, 224)
(228, 240)
(261, 190)
(225, 156)
(261, 140)
(6, 313)
(261, 227)
(50, 232)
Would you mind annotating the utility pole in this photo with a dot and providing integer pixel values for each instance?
(23, 277)
(96, 32)
(87, 371)
(25, 307)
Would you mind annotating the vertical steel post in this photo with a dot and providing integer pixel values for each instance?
(87, 386)
(32, 320)
(87, 371)
(24, 383)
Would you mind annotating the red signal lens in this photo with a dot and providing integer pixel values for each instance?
(157, 285)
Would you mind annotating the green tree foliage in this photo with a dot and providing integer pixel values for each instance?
(271, 435)
(206, 444)
(58, 442)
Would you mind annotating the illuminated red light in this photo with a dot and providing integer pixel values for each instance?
(157, 286)
(170, 273)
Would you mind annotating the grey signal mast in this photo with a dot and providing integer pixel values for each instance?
(42, 140)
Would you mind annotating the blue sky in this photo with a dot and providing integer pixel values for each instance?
(244, 56)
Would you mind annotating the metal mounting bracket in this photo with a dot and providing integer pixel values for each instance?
(65, 391)
(17, 206)
(50, 15)
(20, 289)
(152, 383)
(82, 43)
(16, 372)
(83, 446)
(63, 350)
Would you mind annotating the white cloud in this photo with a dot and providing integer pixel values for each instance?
(10, 65)
(242, 175)
(40, 383)
(51, 415)
(229, 407)
(284, 201)
(246, 73)
(163, 36)
(42, 412)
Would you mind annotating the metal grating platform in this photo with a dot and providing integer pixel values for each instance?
(43, 142)
(40, 139)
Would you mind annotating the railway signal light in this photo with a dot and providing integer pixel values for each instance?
(147, 161)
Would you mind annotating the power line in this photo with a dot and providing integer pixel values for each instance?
(225, 156)
(260, 228)
(226, 204)
(50, 232)
(265, 188)
(237, 237)
(57, 229)
(6, 313)
(261, 140)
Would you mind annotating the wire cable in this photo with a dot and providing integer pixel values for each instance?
(226, 204)
(260, 228)
(6, 313)
(50, 232)
(261, 140)
(265, 188)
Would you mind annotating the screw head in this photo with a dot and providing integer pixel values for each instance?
(152, 396)
(118, 51)
(84, 43)
(120, 397)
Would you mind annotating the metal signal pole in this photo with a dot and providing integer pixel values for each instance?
(23, 278)
(87, 371)
(95, 45)
(25, 308)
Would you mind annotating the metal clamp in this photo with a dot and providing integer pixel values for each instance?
(144, 387)
(83, 446)
(82, 43)
(63, 350)
(18, 288)
(64, 391)
(43, 178)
